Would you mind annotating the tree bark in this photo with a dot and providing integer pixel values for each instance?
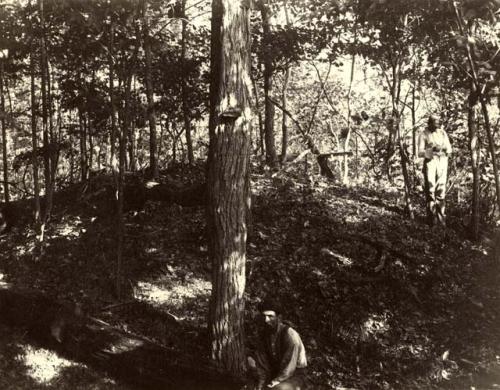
(228, 180)
(5, 159)
(153, 152)
(271, 157)
(475, 154)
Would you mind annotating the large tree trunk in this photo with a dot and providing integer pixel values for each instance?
(228, 180)
(153, 161)
(475, 154)
(271, 157)
(5, 159)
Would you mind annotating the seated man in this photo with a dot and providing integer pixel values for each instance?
(280, 360)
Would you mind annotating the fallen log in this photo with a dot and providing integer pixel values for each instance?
(126, 357)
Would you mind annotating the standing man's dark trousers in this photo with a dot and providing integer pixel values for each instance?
(435, 176)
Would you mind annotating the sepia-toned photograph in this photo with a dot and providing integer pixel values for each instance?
(249, 194)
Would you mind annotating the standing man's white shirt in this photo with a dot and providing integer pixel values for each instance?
(433, 143)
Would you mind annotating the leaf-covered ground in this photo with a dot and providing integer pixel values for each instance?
(381, 302)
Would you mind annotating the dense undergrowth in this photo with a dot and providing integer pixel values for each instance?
(380, 301)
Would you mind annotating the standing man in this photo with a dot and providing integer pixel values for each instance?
(434, 146)
(280, 361)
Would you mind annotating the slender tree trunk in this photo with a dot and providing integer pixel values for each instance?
(284, 123)
(356, 156)
(413, 122)
(228, 179)
(132, 139)
(345, 178)
(160, 141)
(5, 159)
(48, 164)
(83, 148)
(122, 138)
(126, 120)
(261, 135)
(45, 128)
(475, 154)
(271, 157)
(34, 142)
(153, 152)
(71, 154)
(400, 142)
(175, 137)
(91, 148)
(482, 101)
(491, 145)
(124, 131)
(112, 159)
(185, 100)
(406, 177)
(53, 154)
